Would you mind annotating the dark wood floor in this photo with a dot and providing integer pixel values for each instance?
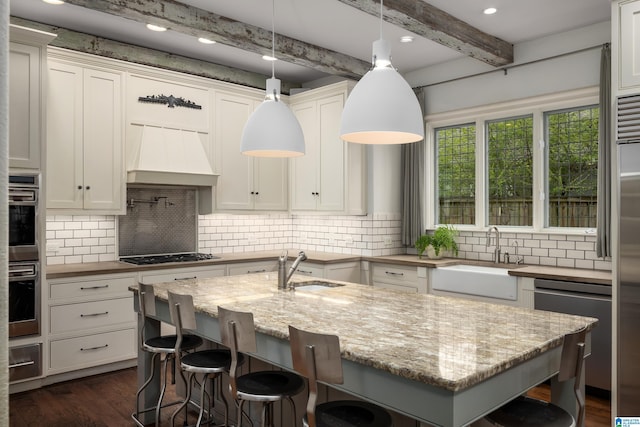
(108, 400)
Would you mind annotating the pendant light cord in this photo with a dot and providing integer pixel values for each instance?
(273, 39)
(381, 19)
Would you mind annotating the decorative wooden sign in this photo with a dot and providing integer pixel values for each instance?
(170, 100)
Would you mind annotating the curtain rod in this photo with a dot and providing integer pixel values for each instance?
(506, 68)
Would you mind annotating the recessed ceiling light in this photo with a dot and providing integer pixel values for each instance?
(406, 39)
(156, 28)
(206, 41)
(490, 11)
(56, 2)
(269, 58)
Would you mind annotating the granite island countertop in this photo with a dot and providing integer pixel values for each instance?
(445, 342)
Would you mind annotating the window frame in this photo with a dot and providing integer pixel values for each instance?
(535, 106)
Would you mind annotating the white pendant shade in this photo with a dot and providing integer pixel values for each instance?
(382, 108)
(272, 130)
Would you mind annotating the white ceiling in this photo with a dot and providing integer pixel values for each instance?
(329, 24)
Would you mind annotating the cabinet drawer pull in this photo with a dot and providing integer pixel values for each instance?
(185, 278)
(22, 364)
(88, 288)
(256, 271)
(95, 314)
(393, 273)
(305, 271)
(94, 348)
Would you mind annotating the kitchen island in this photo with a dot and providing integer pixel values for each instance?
(444, 361)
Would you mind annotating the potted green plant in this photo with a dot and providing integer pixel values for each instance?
(442, 239)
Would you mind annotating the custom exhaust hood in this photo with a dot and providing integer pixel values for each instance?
(167, 156)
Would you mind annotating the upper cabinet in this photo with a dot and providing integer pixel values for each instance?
(245, 183)
(330, 177)
(27, 90)
(84, 139)
(626, 44)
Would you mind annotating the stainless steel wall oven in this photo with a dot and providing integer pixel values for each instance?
(23, 217)
(24, 299)
(24, 257)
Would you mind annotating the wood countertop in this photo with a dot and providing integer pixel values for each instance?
(111, 267)
(449, 343)
(601, 277)
(535, 271)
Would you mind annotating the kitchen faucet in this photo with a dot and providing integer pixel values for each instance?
(283, 278)
(519, 258)
(496, 251)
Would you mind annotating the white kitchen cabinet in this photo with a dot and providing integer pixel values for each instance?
(170, 275)
(626, 26)
(245, 182)
(330, 177)
(342, 271)
(91, 322)
(399, 277)
(27, 94)
(252, 267)
(84, 139)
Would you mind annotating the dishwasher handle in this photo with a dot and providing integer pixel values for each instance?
(572, 287)
(582, 295)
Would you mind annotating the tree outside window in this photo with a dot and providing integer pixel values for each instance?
(456, 148)
(510, 168)
(572, 167)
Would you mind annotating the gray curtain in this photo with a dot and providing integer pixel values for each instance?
(603, 238)
(413, 186)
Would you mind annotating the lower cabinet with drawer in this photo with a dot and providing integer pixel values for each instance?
(91, 322)
(399, 277)
(342, 271)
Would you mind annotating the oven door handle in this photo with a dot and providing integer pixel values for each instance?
(22, 197)
(22, 364)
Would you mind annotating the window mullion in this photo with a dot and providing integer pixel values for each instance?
(539, 171)
(481, 174)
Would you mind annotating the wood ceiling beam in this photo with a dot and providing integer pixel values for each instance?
(201, 23)
(88, 43)
(428, 21)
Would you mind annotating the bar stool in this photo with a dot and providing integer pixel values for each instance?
(528, 412)
(317, 357)
(164, 345)
(237, 332)
(210, 363)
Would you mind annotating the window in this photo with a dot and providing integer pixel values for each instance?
(456, 148)
(510, 171)
(528, 164)
(571, 167)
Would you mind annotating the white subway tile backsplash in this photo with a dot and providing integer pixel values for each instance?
(76, 239)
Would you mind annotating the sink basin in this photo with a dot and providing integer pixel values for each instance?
(491, 282)
(314, 285)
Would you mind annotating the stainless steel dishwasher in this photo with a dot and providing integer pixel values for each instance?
(583, 299)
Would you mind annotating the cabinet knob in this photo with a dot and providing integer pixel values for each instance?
(88, 188)
(79, 187)
(257, 193)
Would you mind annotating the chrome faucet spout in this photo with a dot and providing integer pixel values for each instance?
(301, 257)
(496, 252)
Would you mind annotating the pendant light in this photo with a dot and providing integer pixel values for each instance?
(272, 130)
(382, 108)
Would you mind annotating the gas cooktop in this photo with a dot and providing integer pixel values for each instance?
(161, 259)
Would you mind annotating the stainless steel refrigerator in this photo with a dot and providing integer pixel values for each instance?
(629, 279)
